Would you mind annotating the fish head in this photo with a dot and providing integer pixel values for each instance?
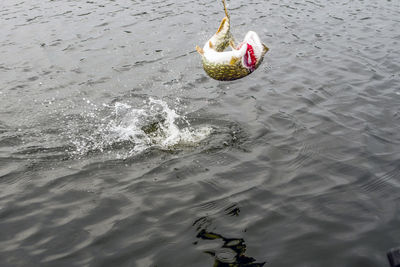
(253, 51)
(249, 58)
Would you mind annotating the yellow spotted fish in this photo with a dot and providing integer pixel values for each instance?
(235, 64)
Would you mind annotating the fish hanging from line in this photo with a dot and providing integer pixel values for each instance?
(235, 64)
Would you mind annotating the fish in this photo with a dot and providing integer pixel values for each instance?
(237, 63)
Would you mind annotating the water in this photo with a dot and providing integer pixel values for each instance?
(117, 150)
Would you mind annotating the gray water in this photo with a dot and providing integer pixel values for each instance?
(116, 149)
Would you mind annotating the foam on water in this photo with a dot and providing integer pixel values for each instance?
(131, 130)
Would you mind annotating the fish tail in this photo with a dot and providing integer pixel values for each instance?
(226, 10)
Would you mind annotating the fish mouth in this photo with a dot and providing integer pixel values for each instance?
(249, 58)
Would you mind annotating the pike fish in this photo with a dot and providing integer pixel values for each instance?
(242, 60)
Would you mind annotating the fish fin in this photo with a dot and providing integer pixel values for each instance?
(265, 48)
(210, 44)
(233, 60)
(232, 44)
(221, 26)
(200, 50)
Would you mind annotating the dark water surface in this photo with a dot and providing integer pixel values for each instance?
(117, 150)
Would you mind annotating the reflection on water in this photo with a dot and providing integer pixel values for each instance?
(232, 252)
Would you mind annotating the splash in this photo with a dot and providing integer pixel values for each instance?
(128, 130)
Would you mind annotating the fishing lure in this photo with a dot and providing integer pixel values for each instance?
(235, 64)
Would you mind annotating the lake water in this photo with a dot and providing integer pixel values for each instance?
(116, 149)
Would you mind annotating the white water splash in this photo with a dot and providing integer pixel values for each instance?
(131, 130)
